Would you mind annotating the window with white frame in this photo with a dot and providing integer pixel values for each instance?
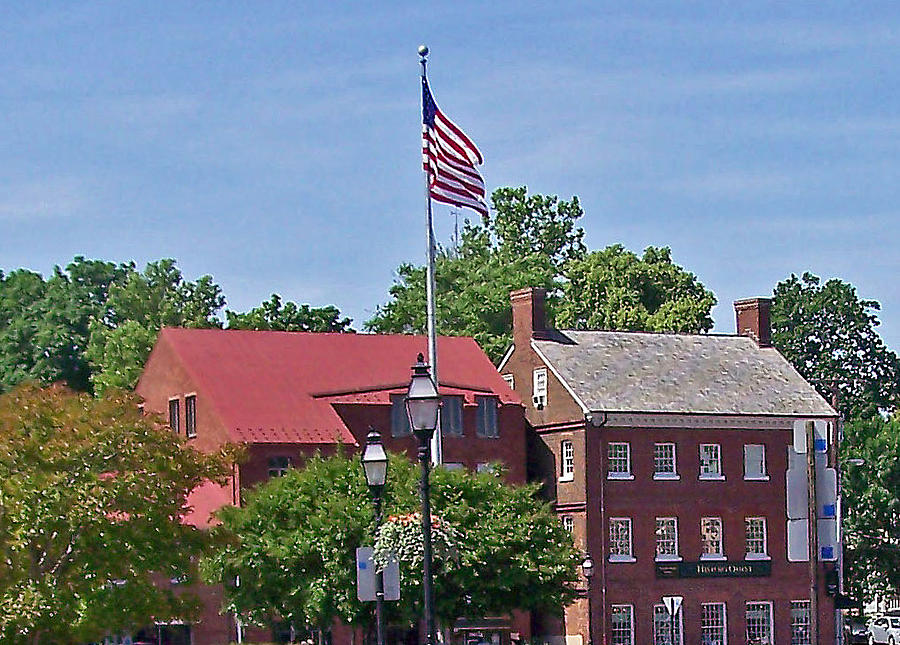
(619, 461)
(755, 529)
(539, 387)
(567, 461)
(568, 523)
(755, 462)
(666, 538)
(278, 465)
(399, 417)
(713, 625)
(800, 622)
(190, 416)
(620, 539)
(452, 416)
(710, 461)
(664, 466)
(510, 380)
(663, 628)
(759, 623)
(622, 618)
(711, 539)
(487, 417)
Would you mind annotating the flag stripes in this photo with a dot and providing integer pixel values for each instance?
(449, 157)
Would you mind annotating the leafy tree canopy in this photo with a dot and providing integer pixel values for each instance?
(616, 289)
(91, 492)
(289, 316)
(829, 335)
(44, 325)
(534, 241)
(296, 564)
(872, 507)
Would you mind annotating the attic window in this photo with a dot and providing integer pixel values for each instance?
(399, 418)
(487, 417)
(175, 415)
(539, 388)
(452, 416)
(190, 416)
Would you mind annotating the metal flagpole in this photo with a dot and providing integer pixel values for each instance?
(436, 449)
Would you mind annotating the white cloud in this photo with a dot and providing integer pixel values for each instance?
(51, 197)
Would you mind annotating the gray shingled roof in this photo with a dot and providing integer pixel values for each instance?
(708, 374)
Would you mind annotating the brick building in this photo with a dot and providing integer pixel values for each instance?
(666, 456)
(286, 395)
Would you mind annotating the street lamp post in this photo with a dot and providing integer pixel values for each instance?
(375, 465)
(587, 568)
(422, 404)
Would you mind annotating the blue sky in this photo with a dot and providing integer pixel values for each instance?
(275, 145)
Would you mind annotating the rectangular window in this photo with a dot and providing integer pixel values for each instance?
(666, 628)
(800, 622)
(453, 465)
(487, 417)
(622, 618)
(755, 462)
(711, 538)
(619, 461)
(759, 623)
(190, 416)
(620, 539)
(452, 416)
(567, 461)
(539, 387)
(175, 415)
(712, 624)
(279, 465)
(568, 523)
(756, 538)
(710, 461)
(666, 538)
(510, 380)
(399, 418)
(664, 466)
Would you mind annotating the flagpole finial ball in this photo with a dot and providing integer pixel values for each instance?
(423, 51)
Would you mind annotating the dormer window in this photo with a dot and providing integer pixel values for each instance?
(539, 388)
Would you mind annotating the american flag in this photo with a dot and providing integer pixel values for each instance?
(449, 157)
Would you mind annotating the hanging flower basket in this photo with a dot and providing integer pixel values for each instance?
(400, 538)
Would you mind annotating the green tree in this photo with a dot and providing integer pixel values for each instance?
(91, 492)
(871, 507)
(44, 325)
(296, 564)
(830, 336)
(135, 311)
(289, 316)
(616, 289)
(525, 243)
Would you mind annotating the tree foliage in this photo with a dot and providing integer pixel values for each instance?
(872, 507)
(289, 316)
(45, 325)
(534, 241)
(136, 310)
(91, 492)
(616, 289)
(297, 564)
(830, 336)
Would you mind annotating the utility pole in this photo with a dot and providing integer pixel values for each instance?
(812, 533)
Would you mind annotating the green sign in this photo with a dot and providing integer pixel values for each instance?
(714, 569)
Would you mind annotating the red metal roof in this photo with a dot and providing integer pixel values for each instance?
(278, 387)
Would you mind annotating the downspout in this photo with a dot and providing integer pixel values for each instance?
(592, 420)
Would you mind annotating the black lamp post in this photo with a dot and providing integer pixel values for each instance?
(375, 463)
(422, 404)
(587, 568)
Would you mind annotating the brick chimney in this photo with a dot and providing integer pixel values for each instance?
(754, 320)
(528, 314)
